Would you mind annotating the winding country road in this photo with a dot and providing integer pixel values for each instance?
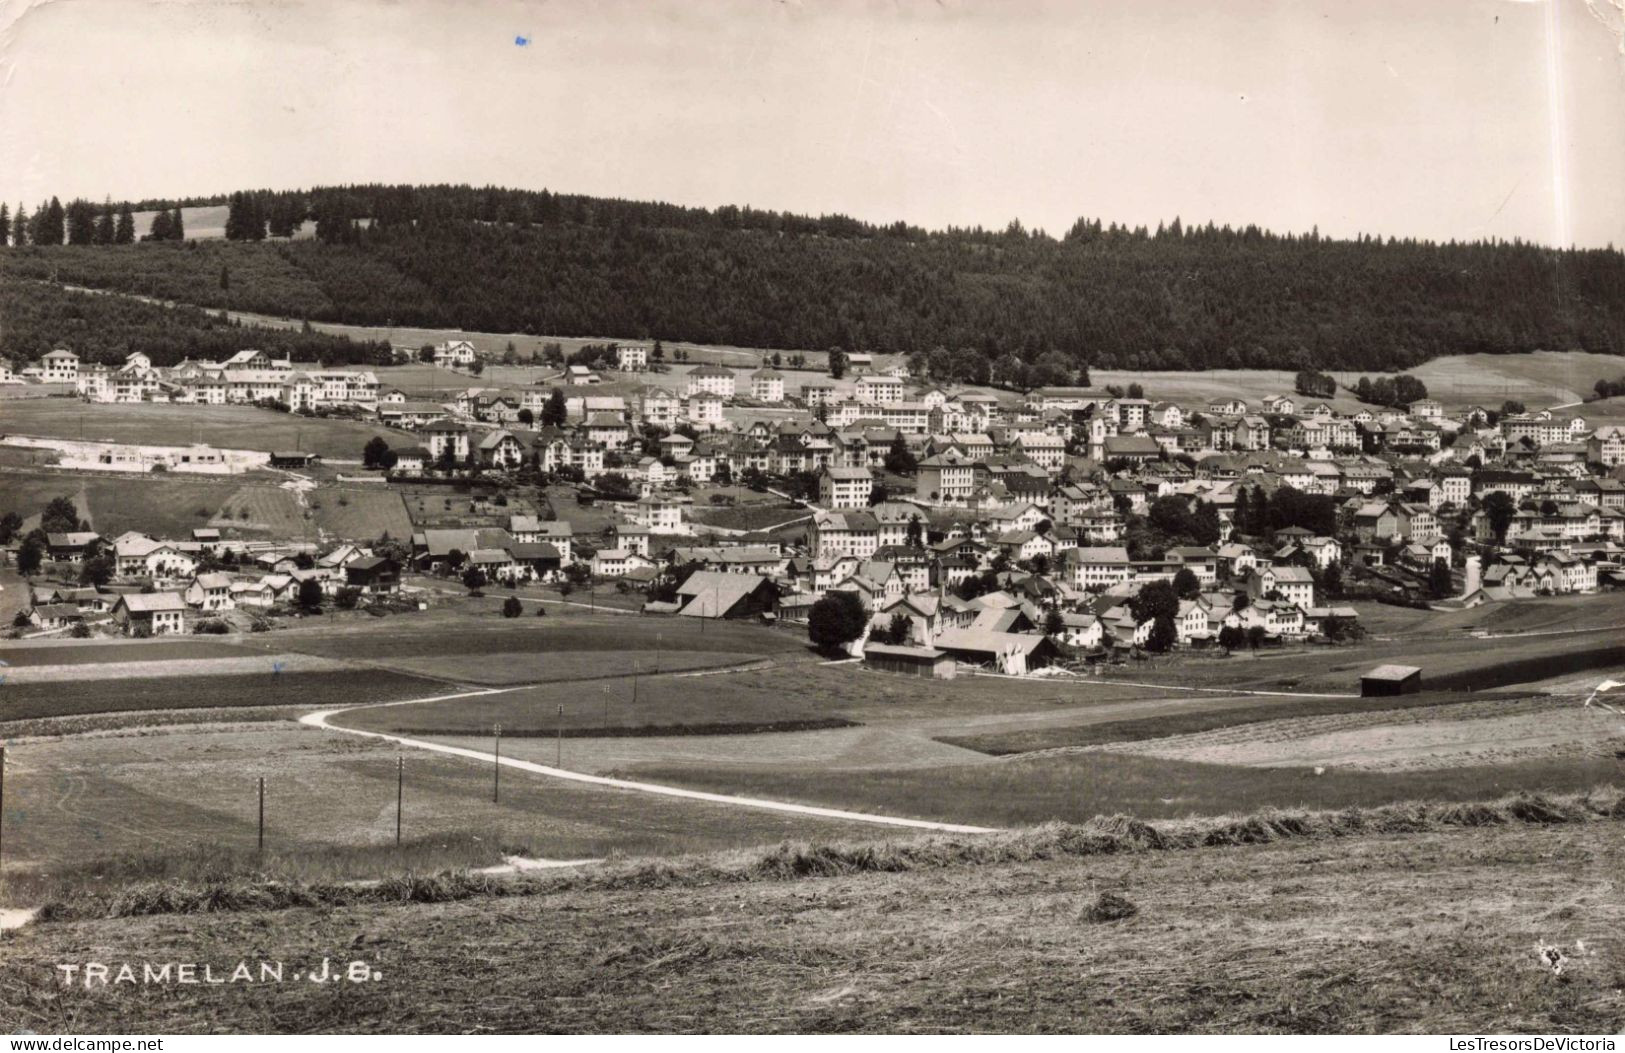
(322, 719)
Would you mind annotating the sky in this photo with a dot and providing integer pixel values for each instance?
(1412, 118)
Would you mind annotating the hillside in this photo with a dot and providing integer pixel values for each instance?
(1108, 297)
(1402, 920)
(39, 316)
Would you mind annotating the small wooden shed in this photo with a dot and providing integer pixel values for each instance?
(1391, 680)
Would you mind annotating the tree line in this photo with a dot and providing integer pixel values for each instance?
(106, 329)
(1013, 304)
(81, 222)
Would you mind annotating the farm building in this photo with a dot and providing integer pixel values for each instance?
(151, 613)
(1391, 680)
(292, 459)
(717, 594)
(909, 661)
(1014, 653)
(373, 574)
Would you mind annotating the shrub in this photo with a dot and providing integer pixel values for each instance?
(348, 597)
(1109, 906)
(835, 620)
(80, 631)
(512, 608)
(211, 627)
(541, 612)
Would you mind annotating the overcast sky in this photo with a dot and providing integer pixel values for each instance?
(1428, 118)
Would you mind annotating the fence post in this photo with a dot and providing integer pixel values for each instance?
(496, 766)
(559, 760)
(262, 816)
(400, 783)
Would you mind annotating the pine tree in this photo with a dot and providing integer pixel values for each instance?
(554, 412)
(81, 222)
(104, 224)
(177, 226)
(54, 227)
(161, 226)
(234, 216)
(125, 233)
(19, 226)
(5, 224)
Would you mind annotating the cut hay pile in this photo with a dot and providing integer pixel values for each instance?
(1100, 836)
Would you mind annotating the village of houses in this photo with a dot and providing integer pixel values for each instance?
(975, 527)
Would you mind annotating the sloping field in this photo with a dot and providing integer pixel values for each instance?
(1604, 411)
(1196, 389)
(360, 515)
(234, 427)
(1439, 934)
(262, 508)
(1538, 379)
(167, 505)
(172, 505)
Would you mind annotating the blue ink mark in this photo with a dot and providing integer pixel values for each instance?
(276, 667)
(521, 41)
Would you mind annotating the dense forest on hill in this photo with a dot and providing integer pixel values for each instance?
(36, 317)
(1102, 295)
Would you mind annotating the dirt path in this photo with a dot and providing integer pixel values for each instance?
(322, 720)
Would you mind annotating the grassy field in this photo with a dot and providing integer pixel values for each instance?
(785, 693)
(1448, 657)
(234, 427)
(72, 801)
(520, 667)
(172, 505)
(576, 631)
(1604, 411)
(359, 514)
(1538, 379)
(1073, 787)
(85, 652)
(166, 505)
(1185, 722)
(23, 701)
(1432, 931)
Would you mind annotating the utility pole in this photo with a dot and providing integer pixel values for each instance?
(559, 759)
(496, 767)
(400, 783)
(262, 816)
